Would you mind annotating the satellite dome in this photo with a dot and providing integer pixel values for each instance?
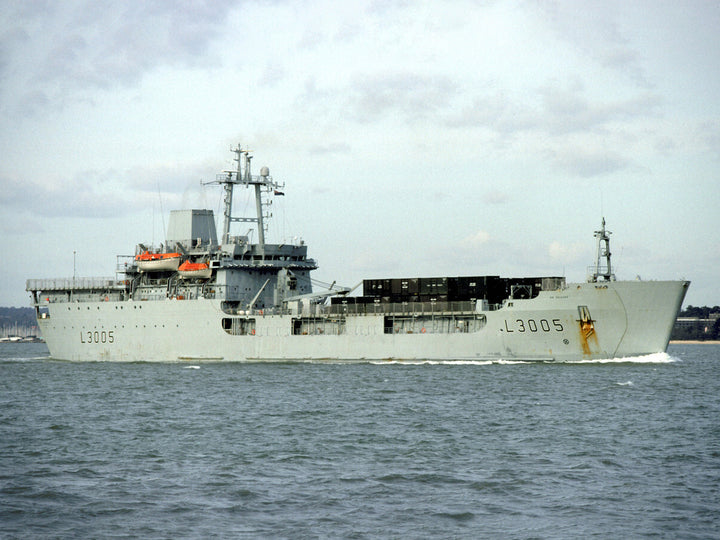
(264, 171)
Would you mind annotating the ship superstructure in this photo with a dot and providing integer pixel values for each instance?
(200, 297)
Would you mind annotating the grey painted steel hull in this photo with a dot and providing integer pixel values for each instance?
(626, 318)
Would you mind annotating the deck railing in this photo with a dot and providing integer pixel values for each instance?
(60, 284)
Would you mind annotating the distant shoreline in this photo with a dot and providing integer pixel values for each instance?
(694, 342)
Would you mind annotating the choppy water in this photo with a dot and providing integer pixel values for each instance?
(604, 450)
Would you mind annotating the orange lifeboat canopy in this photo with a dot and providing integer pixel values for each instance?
(147, 256)
(188, 266)
(194, 270)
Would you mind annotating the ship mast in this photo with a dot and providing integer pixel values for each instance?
(243, 176)
(603, 251)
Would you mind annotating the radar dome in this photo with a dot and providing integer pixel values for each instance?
(264, 171)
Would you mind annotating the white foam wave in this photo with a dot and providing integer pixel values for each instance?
(25, 358)
(446, 362)
(191, 367)
(655, 358)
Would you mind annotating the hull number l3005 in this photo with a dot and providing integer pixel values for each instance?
(97, 336)
(532, 325)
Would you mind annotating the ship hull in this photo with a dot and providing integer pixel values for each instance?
(582, 321)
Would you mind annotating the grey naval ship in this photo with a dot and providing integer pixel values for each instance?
(195, 298)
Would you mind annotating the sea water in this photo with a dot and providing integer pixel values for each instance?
(614, 449)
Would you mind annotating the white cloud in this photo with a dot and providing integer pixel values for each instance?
(567, 253)
(496, 197)
(476, 240)
(583, 163)
(61, 52)
(409, 95)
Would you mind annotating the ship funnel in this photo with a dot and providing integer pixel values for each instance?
(191, 228)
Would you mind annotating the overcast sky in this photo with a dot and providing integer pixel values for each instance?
(415, 138)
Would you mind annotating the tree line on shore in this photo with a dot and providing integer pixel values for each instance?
(706, 327)
(12, 316)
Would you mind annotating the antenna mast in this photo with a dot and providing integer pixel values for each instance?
(243, 176)
(603, 251)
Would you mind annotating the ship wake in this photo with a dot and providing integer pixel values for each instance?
(655, 358)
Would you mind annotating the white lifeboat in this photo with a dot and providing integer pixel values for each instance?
(156, 262)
